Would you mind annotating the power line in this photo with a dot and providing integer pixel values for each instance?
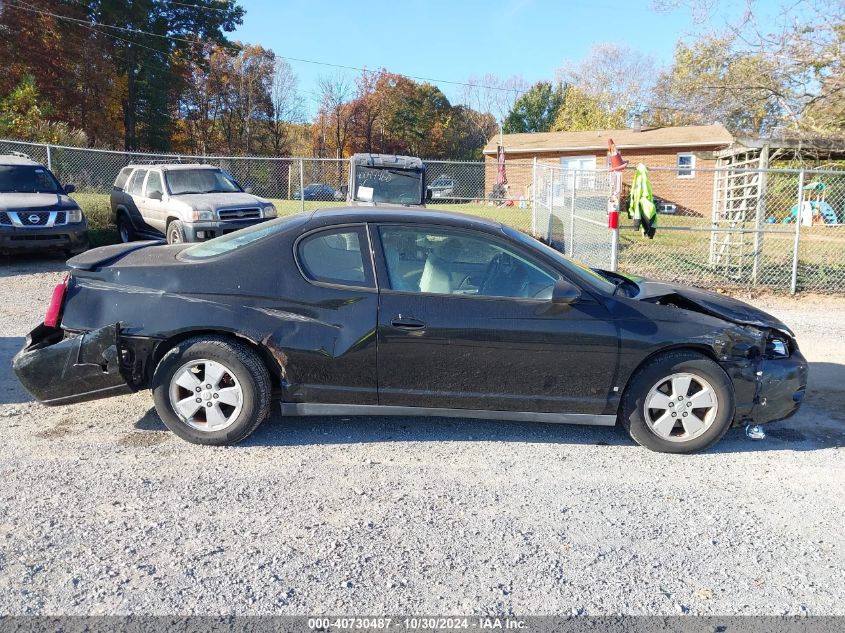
(91, 26)
(125, 29)
(199, 6)
(286, 57)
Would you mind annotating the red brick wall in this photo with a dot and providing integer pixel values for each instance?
(692, 196)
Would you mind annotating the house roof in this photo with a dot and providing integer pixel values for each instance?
(682, 136)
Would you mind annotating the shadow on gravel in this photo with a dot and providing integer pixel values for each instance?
(11, 391)
(808, 431)
(820, 424)
(26, 264)
(302, 431)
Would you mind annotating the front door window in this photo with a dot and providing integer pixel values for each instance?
(444, 261)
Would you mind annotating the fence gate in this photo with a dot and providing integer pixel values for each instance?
(570, 213)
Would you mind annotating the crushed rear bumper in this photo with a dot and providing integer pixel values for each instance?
(60, 369)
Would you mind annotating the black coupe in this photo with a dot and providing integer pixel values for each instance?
(383, 311)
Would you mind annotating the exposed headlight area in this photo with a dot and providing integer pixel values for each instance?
(199, 216)
(777, 346)
(268, 211)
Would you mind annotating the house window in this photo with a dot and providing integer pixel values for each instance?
(686, 165)
(582, 166)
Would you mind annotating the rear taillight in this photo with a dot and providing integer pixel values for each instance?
(51, 319)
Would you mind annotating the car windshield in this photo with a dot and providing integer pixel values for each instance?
(27, 179)
(185, 181)
(579, 272)
(238, 239)
(393, 186)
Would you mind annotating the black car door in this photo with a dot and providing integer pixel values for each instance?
(466, 321)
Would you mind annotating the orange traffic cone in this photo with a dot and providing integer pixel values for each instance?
(616, 162)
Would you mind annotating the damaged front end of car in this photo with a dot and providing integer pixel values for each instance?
(758, 352)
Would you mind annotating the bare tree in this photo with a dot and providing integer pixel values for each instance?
(490, 95)
(701, 10)
(335, 95)
(286, 107)
(616, 76)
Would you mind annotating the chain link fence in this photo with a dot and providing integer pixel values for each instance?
(743, 228)
(570, 213)
(728, 228)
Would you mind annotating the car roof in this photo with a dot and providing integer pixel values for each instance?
(173, 166)
(11, 159)
(344, 215)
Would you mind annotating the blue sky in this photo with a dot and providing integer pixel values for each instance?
(456, 39)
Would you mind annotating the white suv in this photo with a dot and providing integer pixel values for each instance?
(184, 203)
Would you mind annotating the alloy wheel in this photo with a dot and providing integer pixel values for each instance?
(681, 407)
(206, 395)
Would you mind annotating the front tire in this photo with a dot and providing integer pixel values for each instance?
(679, 402)
(176, 233)
(212, 390)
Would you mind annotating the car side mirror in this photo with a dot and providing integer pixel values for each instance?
(155, 195)
(69, 188)
(247, 189)
(344, 190)
(565, 293)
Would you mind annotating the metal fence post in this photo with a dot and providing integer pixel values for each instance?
(794, 285)
(574, 174)
(760, 213)
(49, 158)
(614, 248)
(302, 184)
(534, 197)
(551, 202)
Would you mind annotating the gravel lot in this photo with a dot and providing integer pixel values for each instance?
(102, 511)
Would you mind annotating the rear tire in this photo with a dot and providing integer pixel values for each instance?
(176, 232)
(212, 390)
(678, 402)
(125, 228)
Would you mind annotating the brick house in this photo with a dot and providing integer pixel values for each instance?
(678, 159)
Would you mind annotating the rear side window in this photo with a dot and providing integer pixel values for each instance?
(122, 177)
(243, 238)
(154, 185)
(337, 256)
(136, 183)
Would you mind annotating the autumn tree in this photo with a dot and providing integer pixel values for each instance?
(709, 82)
(149, 36)
(582, 111)
(787, 80)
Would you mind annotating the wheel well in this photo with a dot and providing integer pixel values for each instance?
(264, 354)
(169, 220)
(683, 347)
